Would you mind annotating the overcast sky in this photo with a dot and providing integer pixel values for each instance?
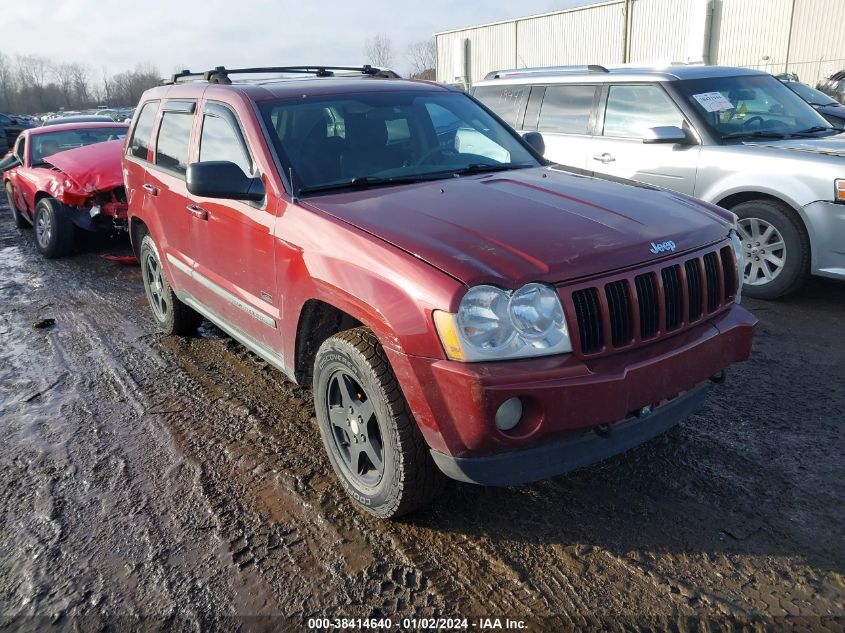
(200, 35)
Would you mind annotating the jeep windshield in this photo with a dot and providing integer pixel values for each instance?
(388, 138)
(752, 106)
(45, 145)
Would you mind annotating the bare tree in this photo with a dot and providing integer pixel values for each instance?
(33, 84)
(422, 57)
(379, 51)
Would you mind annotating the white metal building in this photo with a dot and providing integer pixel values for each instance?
(801, 36)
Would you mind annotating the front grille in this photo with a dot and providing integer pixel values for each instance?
(674, 297)
(693, 270)
(711, 271)
(643, 307)
(649, 310)
(729, 270)
(589, 319)
(619, 306)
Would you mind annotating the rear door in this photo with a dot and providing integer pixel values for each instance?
(167, 192)
(137, 159)
(232, 239)
(629, 110)
(565, 115)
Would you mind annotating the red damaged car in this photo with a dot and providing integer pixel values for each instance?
(458, 304)
(64, 177)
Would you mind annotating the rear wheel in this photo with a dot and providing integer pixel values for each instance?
(17, 216)
(172, 316)
(777, 253)
(371, 437)
(54, 231)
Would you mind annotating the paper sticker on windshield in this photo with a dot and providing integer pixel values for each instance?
(713, 101)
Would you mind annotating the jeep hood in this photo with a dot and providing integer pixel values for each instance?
(91, 168)
(538, 224)
(830, 145)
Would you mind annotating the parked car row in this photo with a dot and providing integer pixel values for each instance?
(830, 109)
(834, 86)
(734, 137)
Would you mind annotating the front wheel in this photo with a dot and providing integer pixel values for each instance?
(372, 440)
(777, 253)
(17, 216)
(54, 231)
(171, 315)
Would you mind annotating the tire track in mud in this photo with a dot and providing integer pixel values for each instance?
(185, 477)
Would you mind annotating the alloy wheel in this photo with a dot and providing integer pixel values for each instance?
(155, 283)
(43, 230)
(355, 429)
(764, 248)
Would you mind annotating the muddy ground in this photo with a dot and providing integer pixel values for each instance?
(182, 480)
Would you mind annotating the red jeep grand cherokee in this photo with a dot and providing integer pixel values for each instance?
(459, 305)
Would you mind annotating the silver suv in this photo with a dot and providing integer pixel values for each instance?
(735, 137)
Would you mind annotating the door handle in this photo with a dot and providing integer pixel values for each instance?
(197, 211)
(152, 190)
(604, 158)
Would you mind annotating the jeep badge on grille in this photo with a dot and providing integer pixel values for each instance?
(668, 245)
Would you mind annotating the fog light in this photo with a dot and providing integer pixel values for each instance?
(508, 414)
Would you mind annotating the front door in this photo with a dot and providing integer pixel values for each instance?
(233, 239)
(619, 150)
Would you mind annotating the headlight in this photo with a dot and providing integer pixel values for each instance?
(495, 324)
(739, 256)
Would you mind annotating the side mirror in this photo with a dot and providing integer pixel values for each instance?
(222, 179)
(666, 134)
(10, 161)
(535, 140)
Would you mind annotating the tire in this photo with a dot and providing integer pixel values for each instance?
(20, 221)
(54, 232)
(371, 405)
(770, 234)
(171, 315)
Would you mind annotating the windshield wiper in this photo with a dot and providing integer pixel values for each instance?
(369, 181)
(755, 134)
(815, 129)
(479, 168)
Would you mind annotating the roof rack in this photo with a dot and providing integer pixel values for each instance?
(221, 74)
(546, 70)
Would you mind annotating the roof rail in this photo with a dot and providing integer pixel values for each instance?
(221, 74)
(546, 70)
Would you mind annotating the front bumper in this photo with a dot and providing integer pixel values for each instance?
(557, 458)
(564, 396)
(826, 226)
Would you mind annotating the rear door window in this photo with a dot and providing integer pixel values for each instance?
(506, 101)
(143, 133)
(174, 135)
(631, 110)
(567, 109)
(532, 110)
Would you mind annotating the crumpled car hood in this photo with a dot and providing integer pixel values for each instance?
(527, 225)
(91, 168)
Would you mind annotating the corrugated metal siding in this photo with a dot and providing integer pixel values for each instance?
(490, 48)
(818, 43)
(659, 30)
(742, 33)
(587, 36)
(746, 30)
